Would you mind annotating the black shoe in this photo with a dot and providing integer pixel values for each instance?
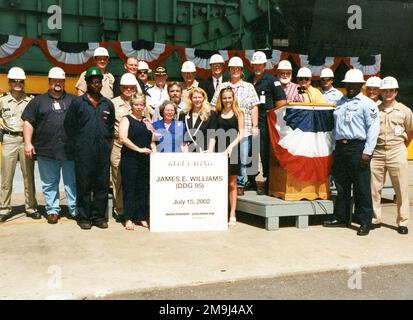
(250, 186)
(402, 230)
(375, 226)
(363, 230)
(3, 217)
(335, 224)
(85, 225)
(35, 215)
(100, 224)
(261, 191)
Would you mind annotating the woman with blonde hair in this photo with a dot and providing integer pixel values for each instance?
(135, 134)
(200, 122)
(231, 124)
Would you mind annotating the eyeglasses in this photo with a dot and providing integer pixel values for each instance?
(326, 79)
(235, 68)
(143, 71)
(95, 81)
(16, 81)
(303, 79)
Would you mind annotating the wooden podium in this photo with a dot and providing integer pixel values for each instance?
(285, 186)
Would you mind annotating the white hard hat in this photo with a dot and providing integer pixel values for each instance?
(285, 65)
(374, 82)
(259, 57)
(389, 83)
(56, 73)
(235, 62)
(354, 76)
(16, 73)
(142, 65)
(188, 66)
(304, 72)
(216, 58)
(101, 52)
(327, 73)
(128, 79)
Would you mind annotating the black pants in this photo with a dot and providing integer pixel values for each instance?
(348, 171)
(92, 168)
(135, 186)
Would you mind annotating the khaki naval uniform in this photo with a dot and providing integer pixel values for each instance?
(390, 155)
(185, 92)
(11, 125)
(122, 108)
(107, 84)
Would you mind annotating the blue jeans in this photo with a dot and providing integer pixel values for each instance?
(243, 150)
(50, 176)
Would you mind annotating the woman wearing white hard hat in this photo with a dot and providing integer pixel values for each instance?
(390, 154)
(248, 101)
(311, 94)
(373, 89)
(355, 132)
(101, 58)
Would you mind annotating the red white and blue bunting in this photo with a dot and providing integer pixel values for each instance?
(12, 47)
(201, 59)
(152, 52)
(74, 58)
(369, 65)
(289, 127)
(316, 64)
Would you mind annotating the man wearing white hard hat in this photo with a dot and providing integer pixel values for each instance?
(217, 64)
(373, 89)
(311, 94)
(271, 96)
(355, 132)
(331, 94)
(248, 101)
(284, 74)
(138, 68)
(188, 72)
(390, 154)
(128, 85)
(101, 58)
(45, 137)
(12, 105)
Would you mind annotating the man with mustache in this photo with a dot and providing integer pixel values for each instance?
(355, 132)
(45, 137)
(284, 74)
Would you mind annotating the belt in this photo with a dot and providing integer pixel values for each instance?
(386, 146)
(349, 141)
(20, 134)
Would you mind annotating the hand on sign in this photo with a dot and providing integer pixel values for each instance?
(229, 151)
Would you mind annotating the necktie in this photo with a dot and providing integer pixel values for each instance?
(217, 84)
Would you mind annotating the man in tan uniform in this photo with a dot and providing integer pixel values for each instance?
(101, 57)
(188, 72)
(390, 154)
(122, 105)
(12, 105)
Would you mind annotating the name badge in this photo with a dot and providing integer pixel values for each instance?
(349, 116)
(56, 106)
(398, 130)
(262, 98)
(13, 121)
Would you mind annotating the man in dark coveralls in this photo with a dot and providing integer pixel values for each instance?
(89, 125)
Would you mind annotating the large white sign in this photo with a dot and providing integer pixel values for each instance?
(189, 192)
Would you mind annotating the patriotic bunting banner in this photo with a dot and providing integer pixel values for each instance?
(369, 65)
(273, 58)
(301, 137)
(12, 47)
(201, 59)
(316, 64)
(74, 58)
(152, 52)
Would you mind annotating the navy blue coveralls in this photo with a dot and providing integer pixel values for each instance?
(90, 134)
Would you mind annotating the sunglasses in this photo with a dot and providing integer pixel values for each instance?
(303, 79)
(235, 68)
(95, 81)
(16, 81)
(143, 71)
(326, 79)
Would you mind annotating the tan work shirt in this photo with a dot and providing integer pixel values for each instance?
(395, 123)
(11, 111)
(107, 84)
(185, 92)
(122, 108)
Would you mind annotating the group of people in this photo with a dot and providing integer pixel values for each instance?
(104, 136)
